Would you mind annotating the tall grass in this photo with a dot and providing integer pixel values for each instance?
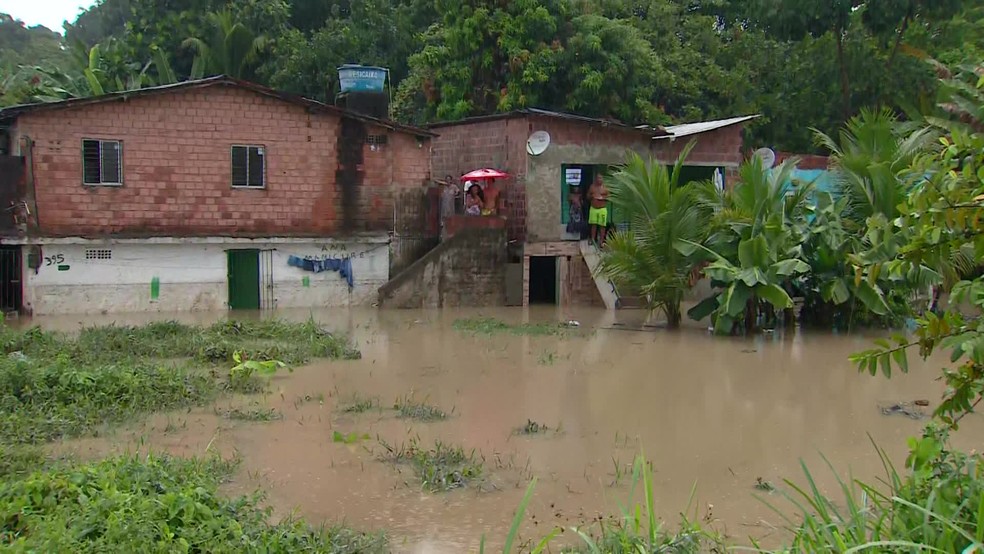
(55, 385)
(153, 504)
(639, 530)
(937, 507)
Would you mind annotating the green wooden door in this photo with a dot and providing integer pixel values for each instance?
(244, 279)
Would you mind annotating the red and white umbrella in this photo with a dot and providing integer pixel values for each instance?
(485, 174)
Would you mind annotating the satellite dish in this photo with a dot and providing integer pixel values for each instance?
(767, 156)
(537, 143)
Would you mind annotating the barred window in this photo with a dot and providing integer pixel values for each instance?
(102, 162)
(248, 166)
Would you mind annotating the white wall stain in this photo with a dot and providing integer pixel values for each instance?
(193, 277)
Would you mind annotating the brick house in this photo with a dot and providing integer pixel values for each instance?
(548, 264)
(198, 196)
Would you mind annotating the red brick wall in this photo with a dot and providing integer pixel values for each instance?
(499, 144)
(457, 223)
(581, 134)
(461, 148)
(177, 168)
(403, 163)
(713, 147)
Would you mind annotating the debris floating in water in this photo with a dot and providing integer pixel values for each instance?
(903, 408)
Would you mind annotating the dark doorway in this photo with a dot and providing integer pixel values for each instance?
(543, 280)
(244, 279)
(11, 292)
(11, 186)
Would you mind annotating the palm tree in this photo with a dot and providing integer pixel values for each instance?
(661, 214)
(870, 157)
(231, 50)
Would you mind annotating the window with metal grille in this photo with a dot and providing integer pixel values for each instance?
(99, 254)
(102, 162)
(376, 140)
(248, 166)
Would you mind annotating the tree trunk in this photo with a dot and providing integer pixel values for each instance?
(898, 39)
(673, 315)
(751, 314)
(844, 78)
(789, 318)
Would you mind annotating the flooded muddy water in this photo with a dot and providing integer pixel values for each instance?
(719, 412)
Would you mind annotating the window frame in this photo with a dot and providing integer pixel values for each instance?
(119, 162)
(263, 156)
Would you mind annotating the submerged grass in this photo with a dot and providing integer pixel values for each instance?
(441, 468)
(358, 404)
(637, 531)
(491, 326)
(252, 414)
(408, 408)
(153, 504)
(56, 385)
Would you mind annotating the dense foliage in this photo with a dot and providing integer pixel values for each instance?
(905, 214)
(846, 252)
(152, 504)
(651, 61)
(54, 385)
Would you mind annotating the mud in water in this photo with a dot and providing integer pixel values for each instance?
(720, 413)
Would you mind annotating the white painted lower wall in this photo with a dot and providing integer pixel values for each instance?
(193, 274)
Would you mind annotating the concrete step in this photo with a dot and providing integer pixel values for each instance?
(605, 287)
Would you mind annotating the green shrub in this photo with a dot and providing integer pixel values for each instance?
(157, 504)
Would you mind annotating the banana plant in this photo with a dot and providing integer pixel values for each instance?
(760, 274)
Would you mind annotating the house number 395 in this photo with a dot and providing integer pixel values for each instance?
(53, 260)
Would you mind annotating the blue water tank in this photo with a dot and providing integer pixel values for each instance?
(361, 78)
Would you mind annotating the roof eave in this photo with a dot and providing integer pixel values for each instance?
(13, 112)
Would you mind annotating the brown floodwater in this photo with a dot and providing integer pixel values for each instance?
(711, 414)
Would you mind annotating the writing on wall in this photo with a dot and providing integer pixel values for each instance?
(341, 250)
(54, 259)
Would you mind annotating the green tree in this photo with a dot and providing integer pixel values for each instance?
(941, 219)
(484, 56)
(104, 19)
(662, 213)
(871, 152)
(35, 45)
(607, 69)
(231, 49)
(375, 32)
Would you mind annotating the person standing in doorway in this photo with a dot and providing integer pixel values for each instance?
(598, 212)
(492, 195)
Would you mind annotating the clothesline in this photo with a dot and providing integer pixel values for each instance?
(342, 265)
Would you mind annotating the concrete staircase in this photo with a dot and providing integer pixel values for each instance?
(467, 269)
(605, 287)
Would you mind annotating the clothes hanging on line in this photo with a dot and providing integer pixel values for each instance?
(342, 265)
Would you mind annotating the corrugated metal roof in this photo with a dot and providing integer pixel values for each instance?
(313, 105)
(687, 129)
